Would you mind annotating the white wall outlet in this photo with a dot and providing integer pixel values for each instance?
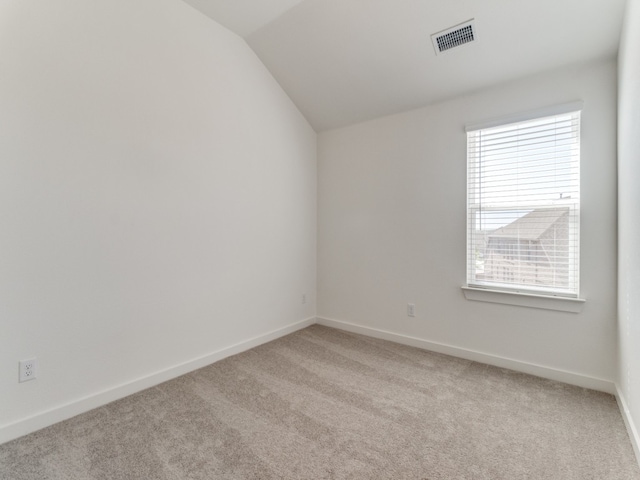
(304, 298)
(28, 369)
(411, 310)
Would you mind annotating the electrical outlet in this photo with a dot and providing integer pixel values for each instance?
(411, 310)
(304, 298)
(28, 370)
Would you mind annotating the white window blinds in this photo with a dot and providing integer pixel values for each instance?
(523, 210)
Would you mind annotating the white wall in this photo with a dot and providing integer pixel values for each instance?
(157, 198)
(391, 225)
(629, 218)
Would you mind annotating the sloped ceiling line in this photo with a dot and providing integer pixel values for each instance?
(347, 61)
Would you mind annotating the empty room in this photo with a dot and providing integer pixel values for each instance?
(320, 239)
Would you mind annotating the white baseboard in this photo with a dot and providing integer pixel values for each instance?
(511, 364)
(62, 412)
(634, 434)
(76, 407)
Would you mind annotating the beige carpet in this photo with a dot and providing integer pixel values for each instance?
(325, 404)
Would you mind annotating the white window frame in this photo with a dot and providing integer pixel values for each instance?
(525, 296)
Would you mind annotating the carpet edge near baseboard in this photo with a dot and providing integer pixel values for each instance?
(634, 434)
(563, 376)
(68, 410)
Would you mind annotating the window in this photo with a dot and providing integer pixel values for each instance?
(523, 205)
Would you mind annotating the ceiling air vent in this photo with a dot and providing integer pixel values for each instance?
(454, 37)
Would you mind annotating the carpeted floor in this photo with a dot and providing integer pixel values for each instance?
(325, 404)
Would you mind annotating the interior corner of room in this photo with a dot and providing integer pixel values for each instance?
(180, 183)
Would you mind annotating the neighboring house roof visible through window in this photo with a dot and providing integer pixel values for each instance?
(531, 226)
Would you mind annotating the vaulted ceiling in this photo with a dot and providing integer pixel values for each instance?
(345, 61)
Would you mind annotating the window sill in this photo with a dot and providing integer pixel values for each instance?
(546, 302)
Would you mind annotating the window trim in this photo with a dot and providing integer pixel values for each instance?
(524, 298)
(525, 116)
